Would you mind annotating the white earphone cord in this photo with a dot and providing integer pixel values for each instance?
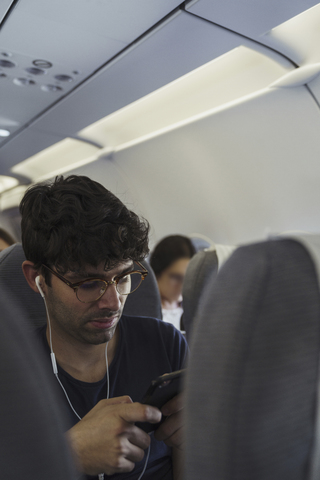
(55, 371)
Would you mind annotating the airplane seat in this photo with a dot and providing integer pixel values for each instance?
(12, 278)
(32, 442)
(252, 403)
(200, 242)
(146, 301)
(203, 267)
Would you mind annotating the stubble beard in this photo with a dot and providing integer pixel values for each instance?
(67, 323)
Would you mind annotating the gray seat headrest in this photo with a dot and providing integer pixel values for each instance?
(254, 366)
(12, 278)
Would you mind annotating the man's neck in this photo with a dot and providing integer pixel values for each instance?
(84, 362)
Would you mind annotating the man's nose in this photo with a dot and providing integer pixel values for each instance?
(110, 299)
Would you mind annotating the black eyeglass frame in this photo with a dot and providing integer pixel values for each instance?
(75, 286)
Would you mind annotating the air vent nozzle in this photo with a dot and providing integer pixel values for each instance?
(51, 88)
(23, 82)
(6, 63)
(63, 78)
(35, 71)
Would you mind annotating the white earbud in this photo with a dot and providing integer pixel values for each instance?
(38, 285)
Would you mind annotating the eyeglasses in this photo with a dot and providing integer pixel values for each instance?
(92, 289)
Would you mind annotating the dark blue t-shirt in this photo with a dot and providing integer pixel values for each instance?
(147, 348)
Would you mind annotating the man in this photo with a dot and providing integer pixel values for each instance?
(83, 248)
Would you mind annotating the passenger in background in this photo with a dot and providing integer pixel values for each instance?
(5, 239)
(169, 261)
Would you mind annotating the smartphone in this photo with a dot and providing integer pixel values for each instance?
(160, 391)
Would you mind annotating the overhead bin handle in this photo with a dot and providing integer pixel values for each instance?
(298, 77)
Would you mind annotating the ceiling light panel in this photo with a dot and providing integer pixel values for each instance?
(24, 145)
(7, 182)
(250, 18)
(56, 160)
(12, 198)
(299, 37)
(233, 75)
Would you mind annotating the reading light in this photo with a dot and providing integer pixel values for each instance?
(4, 133)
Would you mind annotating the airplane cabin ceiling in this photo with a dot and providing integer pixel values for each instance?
(66, 64)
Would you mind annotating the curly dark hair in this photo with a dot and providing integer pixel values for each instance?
(168, 250)
(75, 221)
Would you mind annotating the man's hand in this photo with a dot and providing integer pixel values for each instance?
(106, 439)
(171, 430)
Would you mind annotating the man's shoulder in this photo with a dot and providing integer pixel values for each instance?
(140, 319)
(149, 328)
(155, 339)
(148, 323)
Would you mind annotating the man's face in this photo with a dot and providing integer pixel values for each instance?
(86, 323)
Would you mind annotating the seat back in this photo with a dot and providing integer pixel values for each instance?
(146, 301)
(253, 374)
(12, 278)
(32, 442)
(202, 269)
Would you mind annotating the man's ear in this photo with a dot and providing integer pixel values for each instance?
(31, 274)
